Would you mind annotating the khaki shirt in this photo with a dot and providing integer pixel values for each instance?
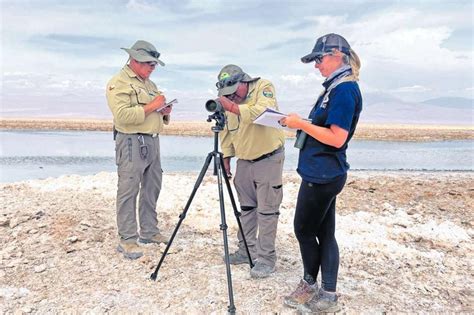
(244, 139)
(126, 95)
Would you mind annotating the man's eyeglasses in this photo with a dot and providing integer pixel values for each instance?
(229, 81)
(319, 59)
(150, 63)
(152, 53)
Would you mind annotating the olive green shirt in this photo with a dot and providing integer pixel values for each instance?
(126, 95)
(244, 139)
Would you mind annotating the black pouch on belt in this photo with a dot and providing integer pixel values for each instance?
(114, 132)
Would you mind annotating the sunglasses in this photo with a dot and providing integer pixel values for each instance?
(152, 53)
(150, 63)
(319, 59)
(229, 81)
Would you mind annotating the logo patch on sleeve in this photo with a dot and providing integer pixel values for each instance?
(267, 92)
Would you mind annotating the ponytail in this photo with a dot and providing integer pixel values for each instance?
(354, 62)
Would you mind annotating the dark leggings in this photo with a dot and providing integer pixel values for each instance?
(315, 223)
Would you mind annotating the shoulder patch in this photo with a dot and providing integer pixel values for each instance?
(267, 92)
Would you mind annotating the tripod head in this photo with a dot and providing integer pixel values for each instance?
(219, 117)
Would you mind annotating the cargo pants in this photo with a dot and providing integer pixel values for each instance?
(260, 192)
(139, 175)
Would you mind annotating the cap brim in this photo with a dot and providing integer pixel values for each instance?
(248, 79)
(310, 57)
(142, 56)
(228, 90)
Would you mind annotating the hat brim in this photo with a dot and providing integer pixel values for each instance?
(310, 57)
(248, 78)
(142, 56)
(228, 90)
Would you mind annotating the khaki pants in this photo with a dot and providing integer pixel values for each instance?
(137, 175)
(260, 192)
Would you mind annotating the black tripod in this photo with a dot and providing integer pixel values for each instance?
(219, 171)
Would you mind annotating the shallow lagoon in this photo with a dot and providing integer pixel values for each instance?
(34, 154)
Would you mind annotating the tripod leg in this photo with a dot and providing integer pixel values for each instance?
(219, 166)
(236, 212)
(183, 214)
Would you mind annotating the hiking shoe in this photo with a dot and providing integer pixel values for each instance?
(304, 293)
(323, 302)
(156, 239)
(129, 250)
(238, 258)
(261, 270)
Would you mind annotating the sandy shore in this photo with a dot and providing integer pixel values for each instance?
(405, 241)
(392, 132)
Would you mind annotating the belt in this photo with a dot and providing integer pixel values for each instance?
(267, 155)
(153, 135)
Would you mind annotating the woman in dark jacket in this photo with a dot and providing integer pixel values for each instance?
(322, 165)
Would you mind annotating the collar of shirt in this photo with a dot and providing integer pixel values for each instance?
(336, 74)
(131, 74)
(252, 86)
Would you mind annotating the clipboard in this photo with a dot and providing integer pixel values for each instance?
(173, 101)
(270, 117)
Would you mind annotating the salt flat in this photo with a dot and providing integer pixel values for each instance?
(405, 240)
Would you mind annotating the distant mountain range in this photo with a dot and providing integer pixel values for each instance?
(384, 108)
(378, 108)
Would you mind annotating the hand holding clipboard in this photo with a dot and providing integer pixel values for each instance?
(170, 103)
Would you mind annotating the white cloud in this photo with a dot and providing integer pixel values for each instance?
(401, 45)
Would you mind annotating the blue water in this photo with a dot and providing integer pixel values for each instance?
(40, 154)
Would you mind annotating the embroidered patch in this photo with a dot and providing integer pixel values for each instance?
(111, 87)
(223, 76)
(267, 92)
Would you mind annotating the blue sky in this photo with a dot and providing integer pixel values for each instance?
(55, 51)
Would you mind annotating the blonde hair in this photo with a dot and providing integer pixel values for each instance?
(352, 60)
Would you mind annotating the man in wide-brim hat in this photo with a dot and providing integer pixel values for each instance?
(139, 115)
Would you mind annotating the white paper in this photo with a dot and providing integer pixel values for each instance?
(270, 118)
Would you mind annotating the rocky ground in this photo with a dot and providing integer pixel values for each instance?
(405, 241)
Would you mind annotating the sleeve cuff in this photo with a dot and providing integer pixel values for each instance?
(166, 119)
(140, 115)
(244, 112)
(228, 152)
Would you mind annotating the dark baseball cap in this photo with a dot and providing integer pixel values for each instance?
(229, 78)
(325, 44)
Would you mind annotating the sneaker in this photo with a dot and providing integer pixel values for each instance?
(323, 302)
(304, 293)
(238, 258)
(261, 270)
(129, 250)
(156, 239)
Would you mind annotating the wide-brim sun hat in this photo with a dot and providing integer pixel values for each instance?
(143, 51)
(229, 78)
(326, 44)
